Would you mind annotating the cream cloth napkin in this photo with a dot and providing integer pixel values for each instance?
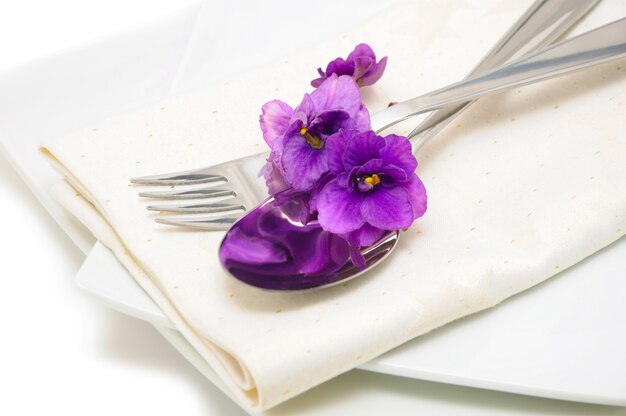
(521, 186)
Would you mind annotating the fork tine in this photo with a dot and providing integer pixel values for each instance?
(187, 177)
(200, 208)
(202, 193)
(202, 223)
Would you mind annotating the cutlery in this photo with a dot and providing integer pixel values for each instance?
(600, 45)
(270, 248)
(240, 187)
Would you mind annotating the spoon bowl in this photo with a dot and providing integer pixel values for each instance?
(272, 248)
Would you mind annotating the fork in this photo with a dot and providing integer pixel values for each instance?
(235, 186)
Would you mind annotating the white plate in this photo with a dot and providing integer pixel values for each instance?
(563, 339)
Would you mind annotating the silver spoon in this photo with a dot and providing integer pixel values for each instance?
(270, 249)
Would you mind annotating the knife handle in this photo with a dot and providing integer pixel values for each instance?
(541, 25)
(604, 44)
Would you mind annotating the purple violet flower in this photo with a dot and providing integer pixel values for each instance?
(375, 187)
(298, 136)
(360, 64)
(336, 185)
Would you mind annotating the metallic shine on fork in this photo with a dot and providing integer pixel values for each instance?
(237, 186)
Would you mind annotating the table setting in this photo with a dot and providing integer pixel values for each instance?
(358, 235)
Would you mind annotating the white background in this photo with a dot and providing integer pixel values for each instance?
(61, 352)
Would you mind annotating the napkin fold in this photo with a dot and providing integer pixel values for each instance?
(521, 186)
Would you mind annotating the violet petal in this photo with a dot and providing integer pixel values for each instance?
(302, 164)
(391, 175)
(362, 120)
(370, 167)
(328, 122)
(314, 196)
(335, 146)
(339, 67)
(365, 236)
(388, 208)
(417, 195)
(362, 64)
(317, 82)
(276, 155)
(361, 148)
(337, 93)
(339, 208)
(304, 110)
(374, 73)
(397, 151)
(362, 49)
(274, 120)
(274, 180)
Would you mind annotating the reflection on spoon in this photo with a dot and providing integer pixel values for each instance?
(270, 248)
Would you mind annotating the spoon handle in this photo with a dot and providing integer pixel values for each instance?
(540, 26)
(600, 45)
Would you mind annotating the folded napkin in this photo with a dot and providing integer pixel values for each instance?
(521, 186)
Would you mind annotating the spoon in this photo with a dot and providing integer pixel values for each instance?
(271, 248)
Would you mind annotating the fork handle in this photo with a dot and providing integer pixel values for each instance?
(538, 27)
(603, 44)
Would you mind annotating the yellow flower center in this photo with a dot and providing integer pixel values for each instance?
(372, 180)
(313, 141)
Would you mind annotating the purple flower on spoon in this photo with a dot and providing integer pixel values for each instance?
(360, 64)
(375, 188)
(336, 187)
(297, 136)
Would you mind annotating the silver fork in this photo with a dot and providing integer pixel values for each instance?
(235, 186)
